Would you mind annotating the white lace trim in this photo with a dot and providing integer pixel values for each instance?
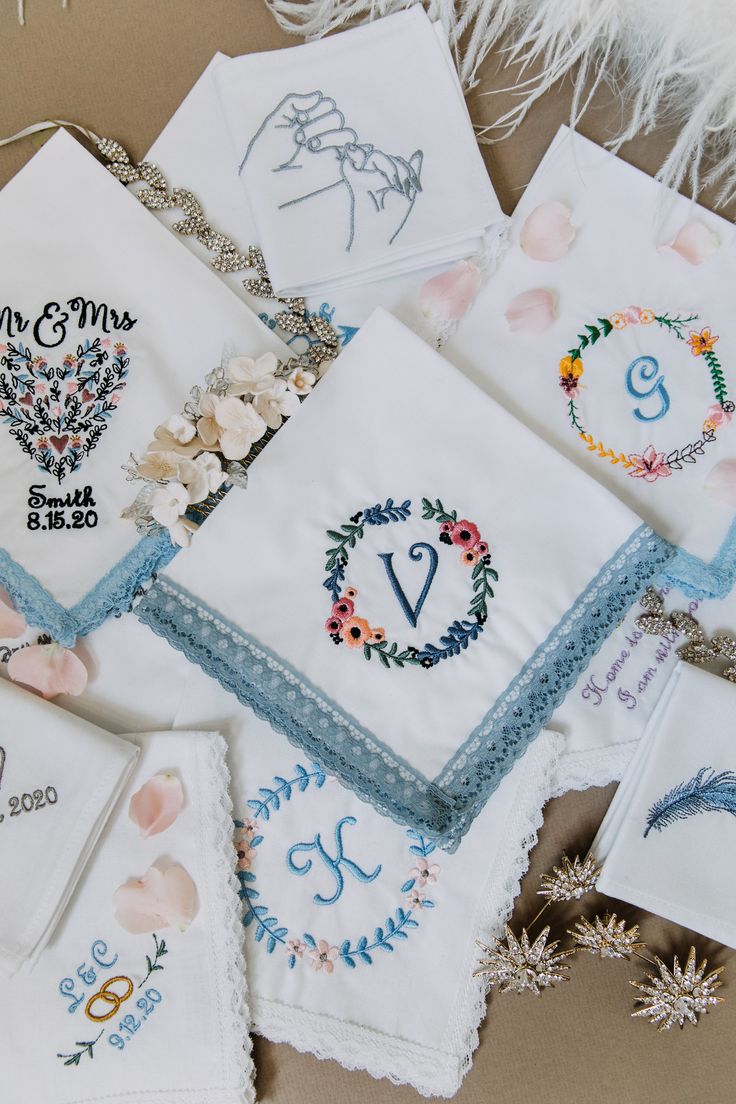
(579, 770)
(433, 1072)
(216, 835)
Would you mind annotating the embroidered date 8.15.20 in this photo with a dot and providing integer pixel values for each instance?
(75, 510)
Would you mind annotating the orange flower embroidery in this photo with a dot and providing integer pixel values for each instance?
(702, 342)
(355, 631)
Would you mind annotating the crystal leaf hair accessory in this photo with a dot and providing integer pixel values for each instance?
(698, 649)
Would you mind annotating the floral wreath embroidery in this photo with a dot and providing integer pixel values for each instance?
(58, 415)
(650, 465)
(320, 953)
(344, 625)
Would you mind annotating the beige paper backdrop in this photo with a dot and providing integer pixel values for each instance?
(121, 67)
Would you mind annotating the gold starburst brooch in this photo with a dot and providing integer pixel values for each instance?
(514, 965)
(678, 995)
(571, 880)
(607, 937)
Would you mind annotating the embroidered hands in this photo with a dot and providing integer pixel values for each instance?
(381, 187)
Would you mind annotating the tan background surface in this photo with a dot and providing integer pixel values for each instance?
(121, 67)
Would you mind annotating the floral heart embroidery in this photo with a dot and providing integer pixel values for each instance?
(58, 415)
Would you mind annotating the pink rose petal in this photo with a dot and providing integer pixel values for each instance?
(157, 804)
(162, 898)
(721, 483)
(695, 242)
(12, 623)
(447, 296)
(48, 668)
(532, 312)
(547, 232)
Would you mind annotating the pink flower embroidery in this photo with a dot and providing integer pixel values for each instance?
(323, 957)
(343, 608)
(650, 466)
(296, 947)
(424, 873)
(416, 898)
(250, 827)
(465, 534)
(245, 852)
(333, 625)
(716, 416)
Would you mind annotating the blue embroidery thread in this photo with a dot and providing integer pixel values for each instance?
(269, 931)
(333, 865)
(416, 553)
(648, 373)
(318, 126)
(703, 793)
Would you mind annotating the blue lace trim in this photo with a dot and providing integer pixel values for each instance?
(111, 595)
(698, 579)
(442, 809)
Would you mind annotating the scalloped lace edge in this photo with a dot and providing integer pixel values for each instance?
(580, 770)
(217, 826)
(433, 1072)
(112, 594)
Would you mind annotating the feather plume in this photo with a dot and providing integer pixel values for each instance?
(704, 793)
(672, 62)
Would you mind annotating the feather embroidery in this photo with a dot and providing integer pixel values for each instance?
(714, 792)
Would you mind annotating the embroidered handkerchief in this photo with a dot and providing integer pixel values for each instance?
(194, 147)
(357, 155)
(140, 994)
(674, 814)
(59, 780)
(630, 374)
(410, 584)
(360, 935)
(105, 323)
(606, 712)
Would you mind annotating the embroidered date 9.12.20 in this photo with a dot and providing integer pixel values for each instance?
(75, 510)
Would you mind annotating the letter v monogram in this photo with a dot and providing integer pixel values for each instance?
(416, 553)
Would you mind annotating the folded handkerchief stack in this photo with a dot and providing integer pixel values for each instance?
(357, 155)
(674, 815)
(59, 780)
(96, 349)
(140, 996)
(410, 584)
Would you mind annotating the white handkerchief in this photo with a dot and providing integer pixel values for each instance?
(156, 1013)
(634, 379)
(606, 712)
(59, 780)
(410, 584)
(360, 935)
(674, 814)
(194, 151)
(357, 155)
(105, 324)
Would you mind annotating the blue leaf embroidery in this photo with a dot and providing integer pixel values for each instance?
(704, 793)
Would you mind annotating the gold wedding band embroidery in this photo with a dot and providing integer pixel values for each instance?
(103, 994)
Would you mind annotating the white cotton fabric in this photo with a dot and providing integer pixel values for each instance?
(387, 155)
(674, 870)
(622, 218)
(603, 717)
(194, 151)
(413, 1015)
(69, 230)
(393, 419)
(59, 780)
(193, 1045)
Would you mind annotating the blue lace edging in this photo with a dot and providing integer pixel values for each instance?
(698, 579)
(442, 809)
(111, 595)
